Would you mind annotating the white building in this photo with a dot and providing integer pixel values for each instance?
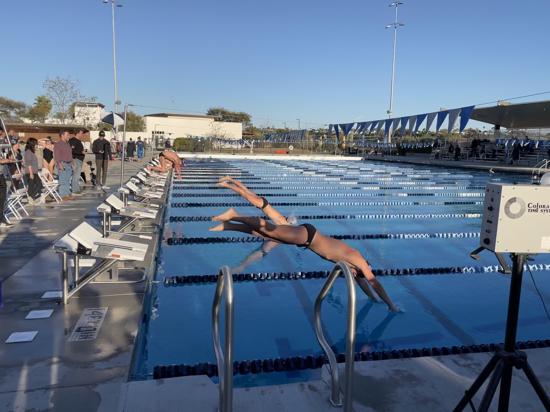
(174, 125)
(87, 113)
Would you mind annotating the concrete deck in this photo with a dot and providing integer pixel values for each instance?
(433, 384)
(52, 373)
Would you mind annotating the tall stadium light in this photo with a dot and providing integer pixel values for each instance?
(113, 6)
(395, 26)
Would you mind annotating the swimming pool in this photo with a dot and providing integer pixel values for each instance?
(415, 225)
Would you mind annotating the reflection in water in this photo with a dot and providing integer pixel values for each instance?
(368, 341)
(256, 255)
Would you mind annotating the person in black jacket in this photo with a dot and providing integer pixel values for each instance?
(77, 149)
(102, 150)
(130, 149)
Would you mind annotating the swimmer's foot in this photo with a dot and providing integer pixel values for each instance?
(217, 228)
(225, 216)
(225, 179)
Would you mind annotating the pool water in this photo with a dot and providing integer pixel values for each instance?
(433, 215)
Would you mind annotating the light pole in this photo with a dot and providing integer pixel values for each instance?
(395, 26)
(113, 6)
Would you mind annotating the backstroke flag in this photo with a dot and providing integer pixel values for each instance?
(465, 114)
(387, 125)
(362, 126)
(412, 121)
(431, 117)
(373, 126)
(404, 121)
(346, 128)
(394, 125)
(440, 119)
(419, 119)
(453, 115)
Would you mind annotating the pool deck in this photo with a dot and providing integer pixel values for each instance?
(433, 384)
(52, 373)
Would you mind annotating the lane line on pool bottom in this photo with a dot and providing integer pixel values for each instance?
(176, 205)
(181, 280)
(175, 241)
(296, 363)
(350, 216)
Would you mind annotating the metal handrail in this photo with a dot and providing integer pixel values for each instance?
(224, 357)
(539, 168)
(336, 387)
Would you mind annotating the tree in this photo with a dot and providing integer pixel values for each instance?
(40, 110)
(62, 92)
(12, 108)
(134, 122)
(225, 115)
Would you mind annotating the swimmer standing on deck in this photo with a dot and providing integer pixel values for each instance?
(306, 236)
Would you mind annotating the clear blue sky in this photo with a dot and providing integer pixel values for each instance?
(320, 61)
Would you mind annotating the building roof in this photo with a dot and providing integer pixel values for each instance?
(535, 115)
(89, 104)
(43, 127)
(200, 116)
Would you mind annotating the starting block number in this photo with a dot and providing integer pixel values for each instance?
(87, 327)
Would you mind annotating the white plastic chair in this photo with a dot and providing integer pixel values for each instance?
(50, 184)
(14, 204)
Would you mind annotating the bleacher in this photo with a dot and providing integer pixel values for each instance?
(497, 151)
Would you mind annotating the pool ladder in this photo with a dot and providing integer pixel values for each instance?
(224, 356)
(341, 395)
(339, 391)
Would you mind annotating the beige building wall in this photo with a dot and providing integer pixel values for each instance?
(188, 126)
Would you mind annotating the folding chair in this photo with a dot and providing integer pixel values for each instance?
(14, 203)
(50, 184)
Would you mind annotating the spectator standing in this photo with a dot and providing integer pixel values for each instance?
(140, 148)
(102, 150)
(63, 157)
(13, 137)
(130, 149)
(516, 152)
(34, 185)
(77, 149)
(458, 152)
